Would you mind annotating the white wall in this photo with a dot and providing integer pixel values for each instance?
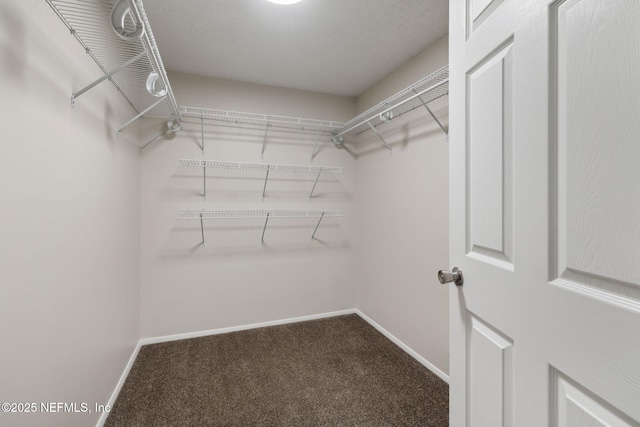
(403, 211)
(235, 280)
(69, 267)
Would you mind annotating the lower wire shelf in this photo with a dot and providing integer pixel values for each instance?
(206, 215)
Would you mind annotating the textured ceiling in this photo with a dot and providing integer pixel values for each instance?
(340, 47)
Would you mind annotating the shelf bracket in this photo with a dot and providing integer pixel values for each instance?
(155, 104)
(313, 154)
(317, 225)
(433, 115)
(106, 76)
(339, 140)
(202, 132)
(265, 227)
(264, 189)
(152, 140)
(202, 230)
(314, 185)
(264, 141)
(204, 179)
(380, 136)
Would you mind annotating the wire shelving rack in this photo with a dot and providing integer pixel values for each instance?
(267, 168)
(129, 60)
(209, 215)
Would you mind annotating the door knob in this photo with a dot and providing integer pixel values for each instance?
(455, 276)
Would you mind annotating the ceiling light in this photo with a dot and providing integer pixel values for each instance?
(284, 1)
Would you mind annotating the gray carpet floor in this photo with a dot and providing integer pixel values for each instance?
(337, 371)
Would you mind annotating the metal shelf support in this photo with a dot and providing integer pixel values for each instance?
(314, 185)
(313, 236)
(266, 221)
(264, 141)
(106, 76)
(380, 136)
(202, 132)
(434, 117)
(264, 189)
(313, 153)
(202, 230)
(142, 113)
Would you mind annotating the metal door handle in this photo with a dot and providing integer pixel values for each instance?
(455, 276)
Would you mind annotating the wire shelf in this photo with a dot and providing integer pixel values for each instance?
(89, 21)
(206, 215)
(261, 120)
(418, 95)
(266, 168)
(245, 166)
(255, 214)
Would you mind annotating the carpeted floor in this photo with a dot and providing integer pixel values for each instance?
(331, 372)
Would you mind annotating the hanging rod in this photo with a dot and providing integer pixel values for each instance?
(256, 167)
(117, 35)
(204, 215)
(419, 94)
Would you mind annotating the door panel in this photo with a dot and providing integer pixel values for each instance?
(545, 212)
(597, 148)
(577, 407)
(489, 158)
(478, 12)
(490, 382)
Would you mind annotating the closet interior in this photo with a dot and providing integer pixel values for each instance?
(237, 205)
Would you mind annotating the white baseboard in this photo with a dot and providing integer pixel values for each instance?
(176, 337)
(430, 366)
(123, 378)
(167, 338)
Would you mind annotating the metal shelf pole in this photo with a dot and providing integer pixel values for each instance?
(265, 226)
(380, 136)
(154, 105)
(264, 189)
(317, 225)
(313, 154)
(106, 76)
(434, 117)
(264, 141)
(202, 230)
(314, 185)
(204, 179)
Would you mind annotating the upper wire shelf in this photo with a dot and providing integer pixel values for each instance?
(117, 35)
(261, 120)
(422, 92)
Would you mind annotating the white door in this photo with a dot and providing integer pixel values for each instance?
(545, 212)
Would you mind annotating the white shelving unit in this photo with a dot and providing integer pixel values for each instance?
(417, 95)
(117, 35)
(212, 215)
(267, 168)
(265, 122)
